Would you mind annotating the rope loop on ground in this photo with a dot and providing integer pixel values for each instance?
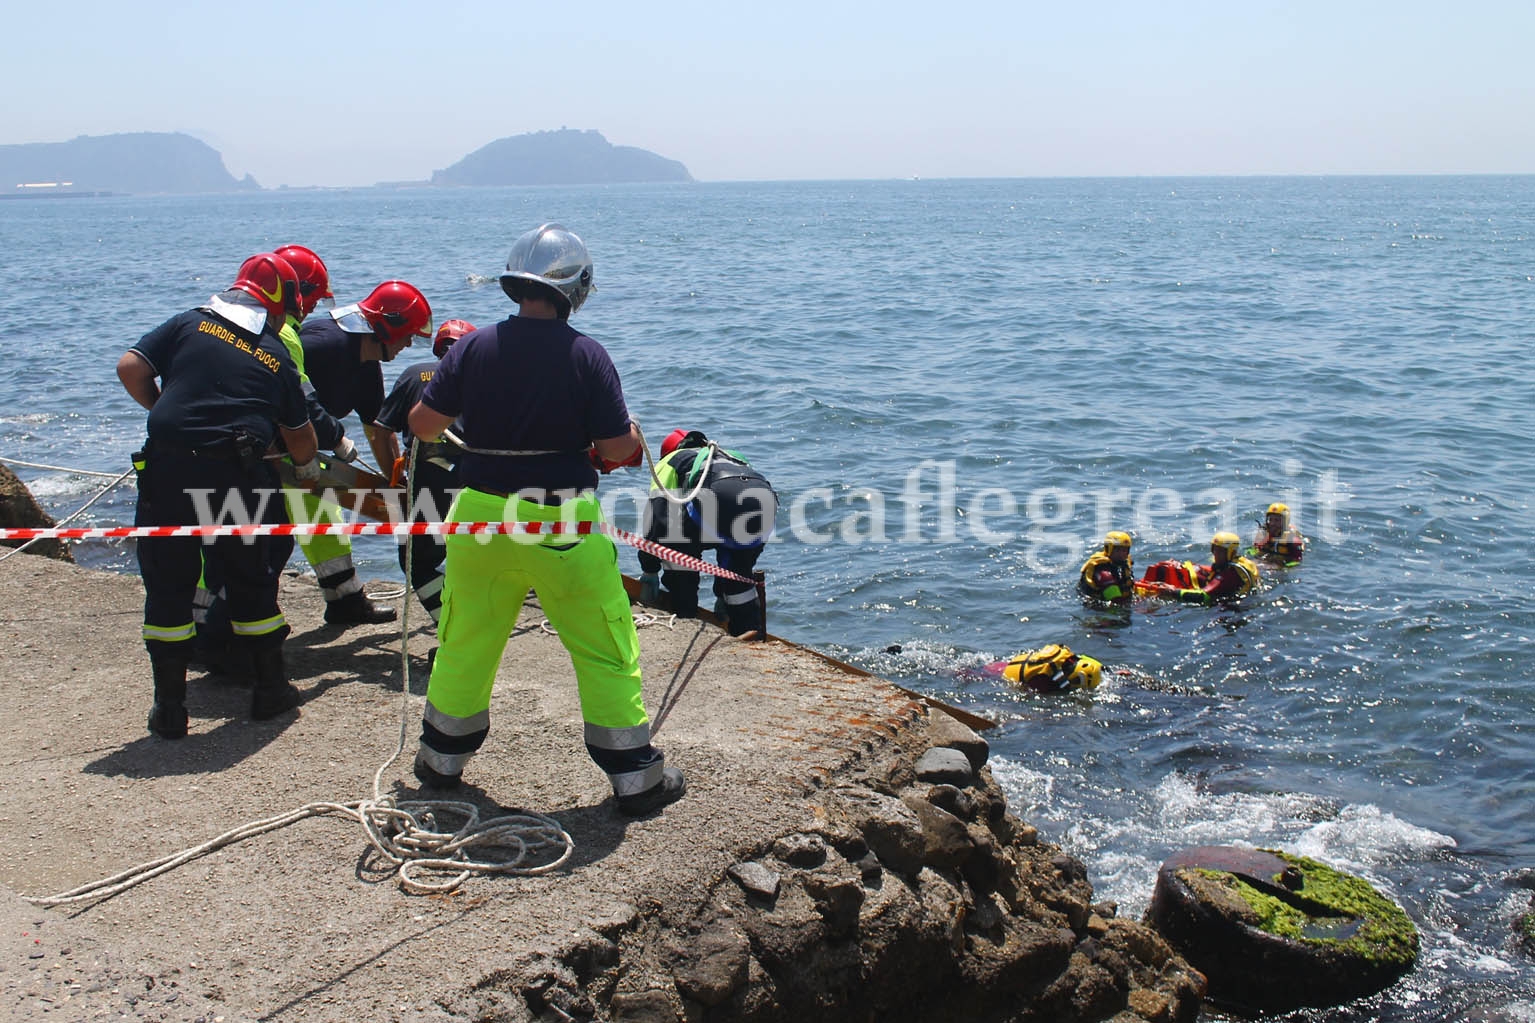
(641, 620)
(413, 836)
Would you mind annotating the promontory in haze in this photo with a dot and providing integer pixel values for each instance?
(140, 162)
(564, 157)
(171, 162)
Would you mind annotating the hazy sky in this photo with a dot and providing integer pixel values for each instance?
(335, 92)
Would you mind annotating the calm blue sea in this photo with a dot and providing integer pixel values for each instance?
(956, 386)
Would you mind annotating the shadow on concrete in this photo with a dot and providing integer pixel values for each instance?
(232, 741)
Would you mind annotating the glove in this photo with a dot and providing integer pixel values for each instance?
(397, 473)
(650, 588)
(306, 471)
(345, 450)
(605, 466)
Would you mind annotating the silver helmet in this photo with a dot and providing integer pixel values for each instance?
(554, 257)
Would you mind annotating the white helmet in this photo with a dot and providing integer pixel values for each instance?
(554, 258)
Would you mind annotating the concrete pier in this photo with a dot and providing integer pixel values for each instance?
(781, 748)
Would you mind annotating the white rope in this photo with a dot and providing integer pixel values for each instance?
(60, 468)
(410, 835)
(655, 479)
(641, 619)
(397, 592)
(73, 515)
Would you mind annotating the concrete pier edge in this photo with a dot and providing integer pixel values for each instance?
(841, 847)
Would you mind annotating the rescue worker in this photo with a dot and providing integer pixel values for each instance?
(208, 610)
(1109, 575)
(227, 388)
(730, 512)
(533, 396)
(434, 482)
(1278, 541)
(1227, 577)
(1053, 668)
(342, 353)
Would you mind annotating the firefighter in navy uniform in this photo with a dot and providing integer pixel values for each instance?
(227, 389)
(1109, 575)
(731, 513)
(208, 609)
(534, 396)
(435, 479)
(342, 352)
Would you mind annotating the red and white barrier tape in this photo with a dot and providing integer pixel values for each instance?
(375, 529)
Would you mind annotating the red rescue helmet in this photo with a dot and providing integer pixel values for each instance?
(313, 278)
(682, 439)
(672, 440)
(269, 278)
(398, 311)
(449, 332)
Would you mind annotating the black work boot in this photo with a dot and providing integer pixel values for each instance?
(168, 717)
(668, 790)
(744, 618)
(273, 694)
(357, 609)
(432, 778)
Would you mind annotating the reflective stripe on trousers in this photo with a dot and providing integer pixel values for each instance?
(447, 742)
(582, 594)
(626, 755)
(337, 577)
(430, 595)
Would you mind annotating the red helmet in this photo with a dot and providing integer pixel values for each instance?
(682, 439)
(449, 332)
(672, 440)
(270, 279)
(398, 311)
(313, 278)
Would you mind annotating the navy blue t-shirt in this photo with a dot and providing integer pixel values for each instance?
(216, 378)
(529, 385)
(342, 381)
(407, 390)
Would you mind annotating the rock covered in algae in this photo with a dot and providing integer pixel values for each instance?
(1274, 931)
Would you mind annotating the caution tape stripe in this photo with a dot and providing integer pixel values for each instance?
(373, 529)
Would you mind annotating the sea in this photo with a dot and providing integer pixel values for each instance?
(956, 387)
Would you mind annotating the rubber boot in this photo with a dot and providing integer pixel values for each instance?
(357, 609)
(273, 694)
(432, 778)
(168, 717)
(668, 790)
(743, 618)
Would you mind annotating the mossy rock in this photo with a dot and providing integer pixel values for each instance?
(1273, 931)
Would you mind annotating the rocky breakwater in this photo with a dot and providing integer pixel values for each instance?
(20, 510)
(916, 897)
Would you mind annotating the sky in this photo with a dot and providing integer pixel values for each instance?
(337, 92)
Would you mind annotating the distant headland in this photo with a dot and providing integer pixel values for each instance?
(175, 163)
(141, 162)
(563, 157)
